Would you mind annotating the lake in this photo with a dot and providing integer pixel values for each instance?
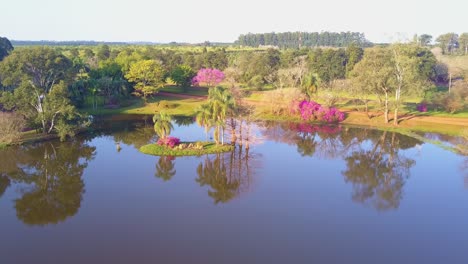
(300, 194)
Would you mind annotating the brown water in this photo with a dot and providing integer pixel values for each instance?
(303, 194)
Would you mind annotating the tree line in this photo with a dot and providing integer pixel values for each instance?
(303, 39)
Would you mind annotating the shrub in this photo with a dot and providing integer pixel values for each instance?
(310, 110)
(11, 126)
(170, 142)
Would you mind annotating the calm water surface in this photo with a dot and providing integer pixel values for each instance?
(303, 194)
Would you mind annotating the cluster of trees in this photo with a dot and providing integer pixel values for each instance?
(393, 72)
(452, 43)
(303, 39)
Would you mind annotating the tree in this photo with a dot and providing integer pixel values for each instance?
(448, 42)
(413, 66)
(148, 76)
(310, 85)
(463, 40)
(39, 77)
(374, 75)
(209, 77)
(203, 118)
(354, 54)
(424, 40)
(103, 52)
(5, 47)
(162, 124)
(182, 75)
(220, 104)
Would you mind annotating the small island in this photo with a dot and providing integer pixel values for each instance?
(172, 146)
(186, 149)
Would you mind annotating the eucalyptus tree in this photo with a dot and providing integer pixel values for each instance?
(463, 40)
(38, 78)
(374, 75)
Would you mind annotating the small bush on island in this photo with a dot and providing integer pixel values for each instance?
(170, 142)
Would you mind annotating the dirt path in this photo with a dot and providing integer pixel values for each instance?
(356, 117)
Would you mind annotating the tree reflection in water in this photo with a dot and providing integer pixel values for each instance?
(50, 176)
(379, 174)
(375, 164)
(227, 174)
(4, 184)
(165, 168)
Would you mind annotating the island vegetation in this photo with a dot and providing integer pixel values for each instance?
(51, 91)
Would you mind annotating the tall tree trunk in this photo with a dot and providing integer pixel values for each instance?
(386, 107)
(397, 104)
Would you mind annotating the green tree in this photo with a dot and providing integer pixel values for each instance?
(204, 119)
(221, 104)
(354, 54)
(310, 84)
(162, 124)
(5, 47)
(413, 66)
(39, 77)
(103, 52)
(463, 40)
(374, 75)
(424, 40)
(148, 76)
(448, 42)
(182, 75)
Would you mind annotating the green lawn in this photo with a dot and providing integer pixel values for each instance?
(171, 105)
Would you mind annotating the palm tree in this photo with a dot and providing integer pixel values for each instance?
(162, 124)
(203, 118)
(221, 103)
(310, 84)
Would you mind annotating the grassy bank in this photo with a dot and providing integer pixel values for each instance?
(207, 148)
(169, 104)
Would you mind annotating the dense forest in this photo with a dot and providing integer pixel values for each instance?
(303, 39)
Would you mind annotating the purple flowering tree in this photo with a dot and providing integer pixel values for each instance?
(209, 77)
(310, 111)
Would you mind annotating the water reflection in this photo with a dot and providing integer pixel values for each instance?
(376, 166)
(227, 174)
(378, 174)
(50, 178)
(4, 184)
(165, 168)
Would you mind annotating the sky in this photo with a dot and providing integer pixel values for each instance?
(223, 21)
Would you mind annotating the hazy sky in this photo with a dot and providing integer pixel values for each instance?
(216, 20)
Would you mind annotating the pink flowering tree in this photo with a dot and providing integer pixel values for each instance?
(209, 77)
(310, 111)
